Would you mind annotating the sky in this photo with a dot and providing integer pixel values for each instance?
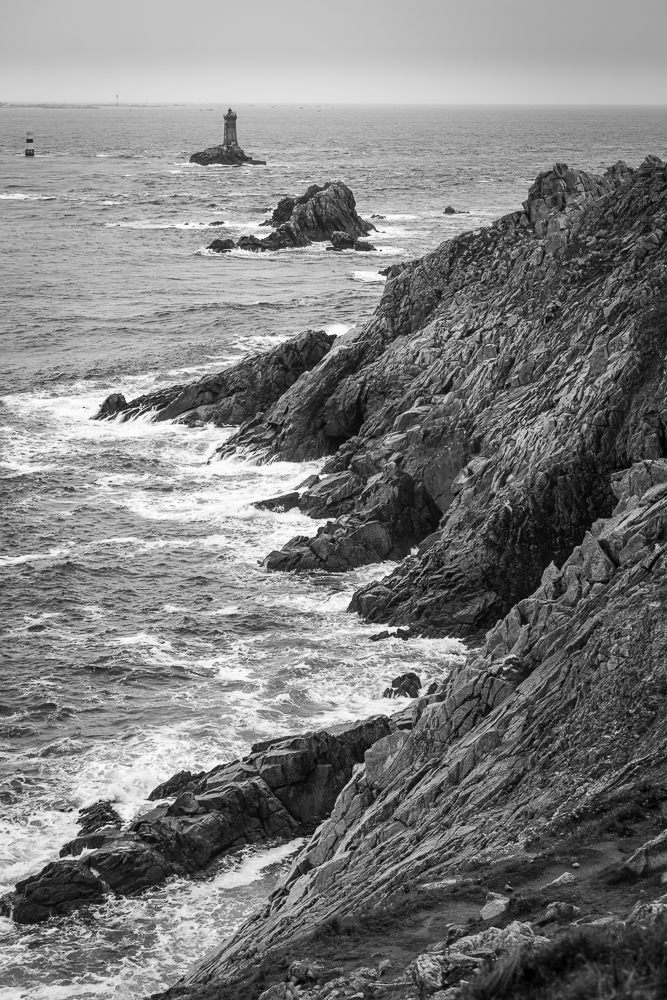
(334, 51)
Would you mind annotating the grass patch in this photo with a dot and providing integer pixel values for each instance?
(582, 964)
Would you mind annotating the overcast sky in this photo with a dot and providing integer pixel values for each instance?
(367, 51)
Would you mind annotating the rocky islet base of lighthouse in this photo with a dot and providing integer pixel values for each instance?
(229, 153)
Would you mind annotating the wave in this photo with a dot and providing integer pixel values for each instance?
(26, 196)
(368, 276)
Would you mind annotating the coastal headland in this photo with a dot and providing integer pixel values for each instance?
(499, 425)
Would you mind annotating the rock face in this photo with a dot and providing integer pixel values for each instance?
(234, 394)
(318, 215)
(283, 789)
(555, 725)
(391, 514)
(510, 372)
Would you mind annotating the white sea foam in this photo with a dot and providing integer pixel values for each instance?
(26, 196)
(54, 553)
(251, 868)
(338, 329)
(368, 276)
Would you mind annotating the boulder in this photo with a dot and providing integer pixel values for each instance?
(222, 245)
(112, 405)
(405, 685)
(99, 814)
(341, 241)
(650, 857)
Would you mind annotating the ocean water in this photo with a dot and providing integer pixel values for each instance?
(141, 634)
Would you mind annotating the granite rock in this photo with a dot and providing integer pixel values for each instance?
(236, 393)
(284, 788)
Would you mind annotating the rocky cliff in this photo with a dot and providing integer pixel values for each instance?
(533, 785)
(515, 378)
(509, 373)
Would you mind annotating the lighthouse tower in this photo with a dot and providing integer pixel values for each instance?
(230, 129)
(29, 146)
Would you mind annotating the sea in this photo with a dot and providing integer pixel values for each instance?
(140, 632)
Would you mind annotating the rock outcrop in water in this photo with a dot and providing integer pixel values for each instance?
(322, 213)
(236, 393)
(283, 789)
(226, 156)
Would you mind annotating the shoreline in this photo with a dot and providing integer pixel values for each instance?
(513, 378)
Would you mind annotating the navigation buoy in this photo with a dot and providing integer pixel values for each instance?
(29, 148)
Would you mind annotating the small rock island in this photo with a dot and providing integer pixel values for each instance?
(229, 153)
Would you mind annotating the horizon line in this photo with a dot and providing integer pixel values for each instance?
(319, 104)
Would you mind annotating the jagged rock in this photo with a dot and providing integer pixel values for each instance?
(578, 668)
(567, 878)
(508, 372)
(240, 391)
(651, 857)
(561, 912)
(181, 781)
(648, 913)
(341, 241)
(112, 405)
(391, 516)
(322, 213)
(426, 973)
(404, 686)
(285, 787)
(495, 906)
(334, 495)
(222, 245)
(282, 503)
(100, 814)
(59, 889)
